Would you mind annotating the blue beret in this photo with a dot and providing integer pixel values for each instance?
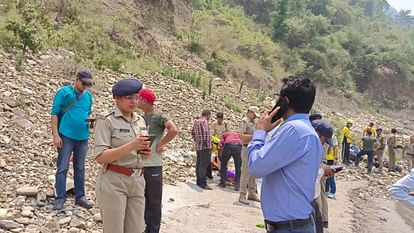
(126, 87)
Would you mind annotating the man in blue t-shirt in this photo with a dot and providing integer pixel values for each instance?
(72, 106)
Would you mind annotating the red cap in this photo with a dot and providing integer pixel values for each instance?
(147, 95)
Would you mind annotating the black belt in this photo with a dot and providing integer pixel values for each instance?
(233, 144)
(292, 224)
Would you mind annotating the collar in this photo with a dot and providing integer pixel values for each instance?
(118, 113)
(298, 116)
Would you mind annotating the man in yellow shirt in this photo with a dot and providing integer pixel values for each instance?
(346, 139)
(371, 128)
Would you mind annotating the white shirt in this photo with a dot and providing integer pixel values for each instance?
(318, 183)
(401, 189)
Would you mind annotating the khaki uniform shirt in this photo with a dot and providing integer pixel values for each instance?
(409, 150)
(218, 130)
(113, 131)
(247, 127)
(392, 142)
(381, 142)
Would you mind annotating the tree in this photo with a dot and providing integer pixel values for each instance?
(27, 29)
(280, 15)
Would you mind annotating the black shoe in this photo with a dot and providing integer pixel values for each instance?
(59, 206)
(222, 185)
(84, 203)
(207, 187)
(210, 177)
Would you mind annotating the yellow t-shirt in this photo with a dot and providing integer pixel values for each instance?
(373, 131)
(330, 155)
(346, 132)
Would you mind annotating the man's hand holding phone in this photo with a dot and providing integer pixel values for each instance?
(265, 120)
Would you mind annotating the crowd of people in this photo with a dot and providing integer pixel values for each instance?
(285, 147)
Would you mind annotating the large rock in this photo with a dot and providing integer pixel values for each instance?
(8, 224)
(77, 223)
(64, 220)
(3, 214)
(27, 191)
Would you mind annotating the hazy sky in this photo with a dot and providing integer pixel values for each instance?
(402, 4)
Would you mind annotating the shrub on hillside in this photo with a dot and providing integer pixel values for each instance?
(216, 67)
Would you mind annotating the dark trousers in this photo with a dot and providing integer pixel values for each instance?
(231, 150)
(153, 199)
(203, 160)
(345, 152)
(370, 158)
(209, 172)
(330, 181)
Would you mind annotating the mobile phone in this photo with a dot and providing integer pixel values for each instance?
(336, 168)
(283, 104)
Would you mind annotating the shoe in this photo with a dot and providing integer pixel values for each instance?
(207, 187)
(210, 177)
(331, 195)
(84, 203)
(236, 188)
(59, 206)
(221, 185)
(253, 198)
(244, 201)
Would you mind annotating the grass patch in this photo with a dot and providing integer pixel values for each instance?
(196, 79)
(140, 65)
(231, 104)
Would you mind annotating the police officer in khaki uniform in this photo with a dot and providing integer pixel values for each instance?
(120, 147)
(379, 149)
(247, 183)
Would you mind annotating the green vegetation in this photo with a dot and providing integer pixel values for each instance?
(216, 67)
(338, 43)
(231, 104)
(196, 79)
(107, 40)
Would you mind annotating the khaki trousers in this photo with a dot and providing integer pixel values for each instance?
(322, 201)
(391, 156)
(121, 201)
(410, 160)
(380, 154)
(247, 183)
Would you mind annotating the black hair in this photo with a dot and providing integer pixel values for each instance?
(220, 115)
(300, 91)
(393, 130)
(206, 113)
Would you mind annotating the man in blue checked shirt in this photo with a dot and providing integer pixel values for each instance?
(289, 161)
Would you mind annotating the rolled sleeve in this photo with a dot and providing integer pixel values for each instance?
(102, 136)
(58, 102)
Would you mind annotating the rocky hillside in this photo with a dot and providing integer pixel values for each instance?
(27, 157)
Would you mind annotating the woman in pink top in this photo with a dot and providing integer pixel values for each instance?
(231, 144)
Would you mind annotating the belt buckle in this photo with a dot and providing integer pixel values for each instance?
(136, 172)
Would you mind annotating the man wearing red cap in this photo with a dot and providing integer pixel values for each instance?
(157, 123)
